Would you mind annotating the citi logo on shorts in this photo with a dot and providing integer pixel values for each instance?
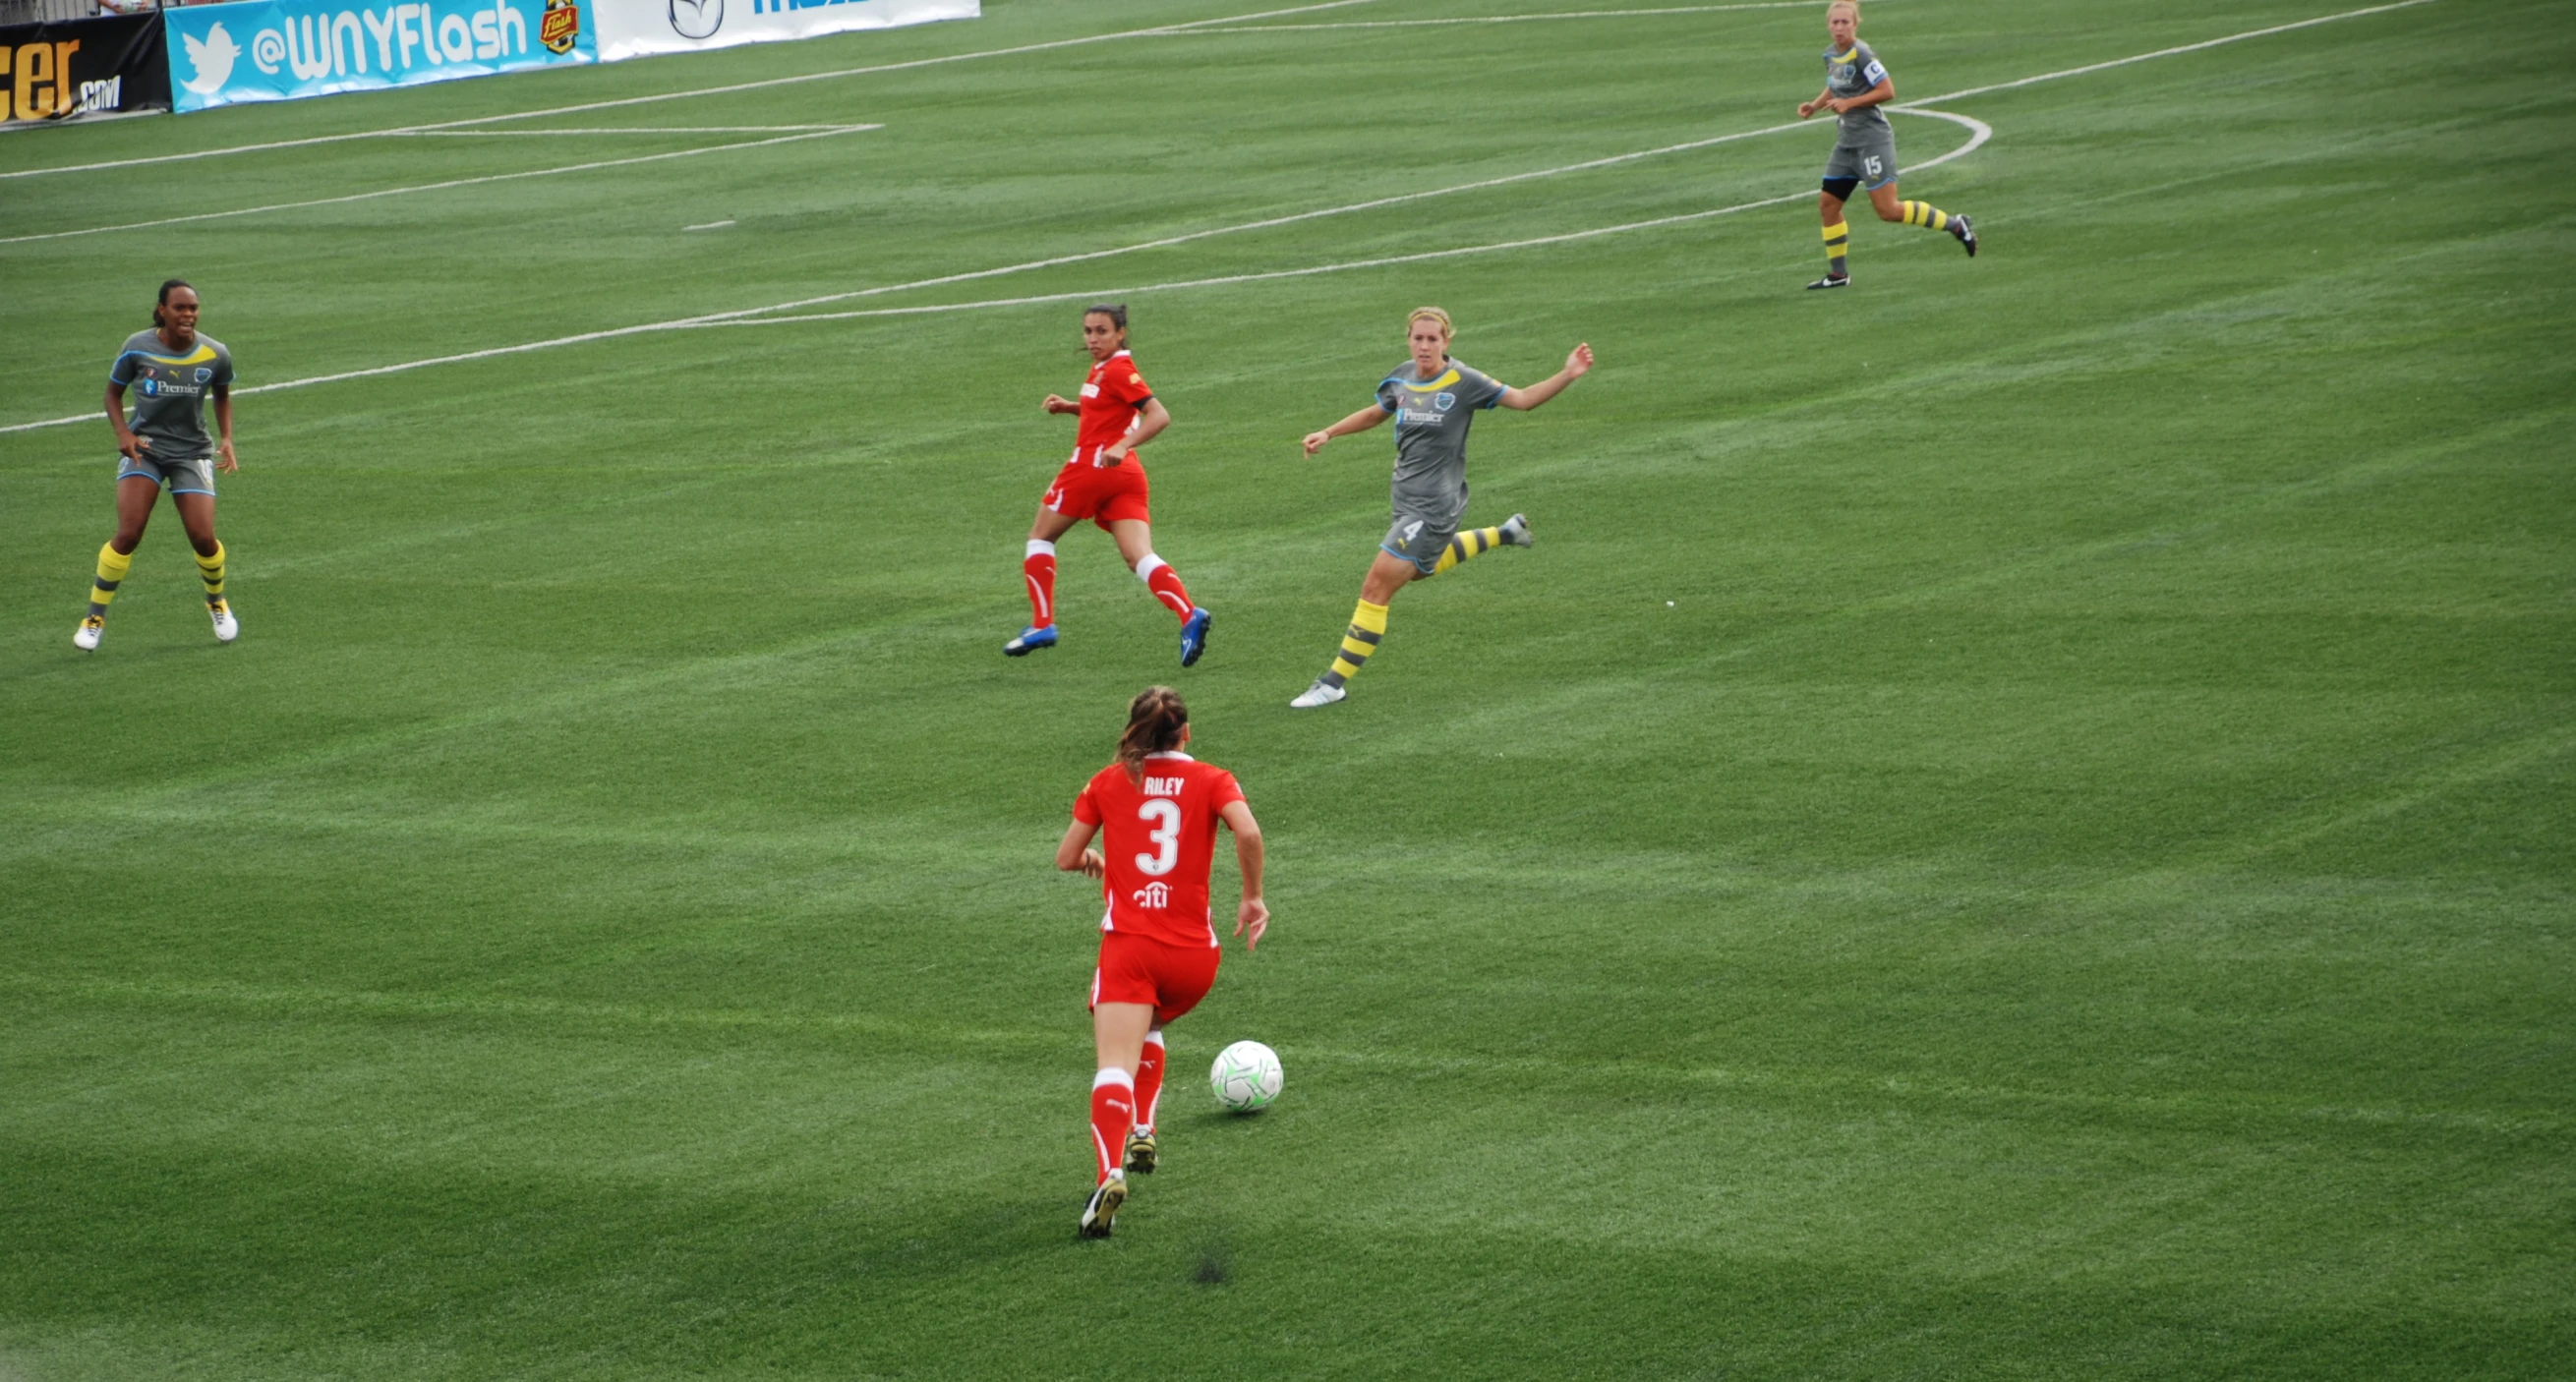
(1154, 895)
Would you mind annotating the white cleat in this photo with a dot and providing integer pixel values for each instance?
(227, 628)
(85, 637)
(1317, 694)
(1516, 532)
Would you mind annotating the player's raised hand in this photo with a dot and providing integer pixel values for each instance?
(1252, 921)
(1578, 363)
(1056, 403)
(1315, 441)
(1805, 109)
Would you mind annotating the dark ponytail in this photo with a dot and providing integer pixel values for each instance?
(1154, 722)
(164, 300)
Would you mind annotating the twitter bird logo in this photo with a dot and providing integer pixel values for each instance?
(213, 59)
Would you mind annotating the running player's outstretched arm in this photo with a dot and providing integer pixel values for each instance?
(1360, 421)
(1252, 919)
(1074, 854)
(1577, 365)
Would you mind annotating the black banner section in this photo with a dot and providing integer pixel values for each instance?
(76, 67)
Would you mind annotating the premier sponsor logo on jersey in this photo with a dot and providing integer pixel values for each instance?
(1432, 416)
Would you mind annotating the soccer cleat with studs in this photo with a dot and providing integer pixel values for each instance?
(1030, 640)
(227, 628)
(1194, 636)
(1516, 531)
(85, 637)
(1831, 281)
(1315, 695)
(1967, 234)
(1101, 1214)
(1140, 1152)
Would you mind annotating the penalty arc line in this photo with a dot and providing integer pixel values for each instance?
(688, 322)
(821, 132)
(1510, 18)
(673, 95)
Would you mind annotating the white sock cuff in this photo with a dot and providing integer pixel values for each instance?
(1154, 1037)
(1040, 547)
(1113, 1075)
(1147, 565)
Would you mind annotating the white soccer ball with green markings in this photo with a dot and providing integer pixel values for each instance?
(1246, 1076)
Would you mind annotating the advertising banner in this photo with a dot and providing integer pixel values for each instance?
(637, 28)
(78, 67)
(279, 50)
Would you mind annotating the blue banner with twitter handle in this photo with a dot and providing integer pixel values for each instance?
(282, 50)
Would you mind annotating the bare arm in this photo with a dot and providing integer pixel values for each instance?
(224, 429)
(1148, 426)
(1252, 919)
(1884, 91)
(1577, 365)
(1074, 853)
(1807, 108)
(1360, 421)
(128, 445)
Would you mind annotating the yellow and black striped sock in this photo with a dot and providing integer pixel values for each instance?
(211, 571)
(1838, 248)
(1926, 215)
(112, 566)
(1468, 546)
(1368, 625)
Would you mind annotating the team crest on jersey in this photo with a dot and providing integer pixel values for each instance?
(1444, 401)
(205, 373)
(561, 28)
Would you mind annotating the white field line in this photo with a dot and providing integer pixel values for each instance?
(674, 95)
(2170, 52)
(715, 317)
(1509, 18)
(1978, 133)
(630, 129)
(820, 132)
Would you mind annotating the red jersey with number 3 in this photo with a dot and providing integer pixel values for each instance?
(1111, 398)
(1158, 837)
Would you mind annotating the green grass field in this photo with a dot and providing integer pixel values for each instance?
(2016, 822)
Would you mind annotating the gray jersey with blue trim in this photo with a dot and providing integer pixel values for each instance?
(1852, 73)
(168, 390)
(1431, 417)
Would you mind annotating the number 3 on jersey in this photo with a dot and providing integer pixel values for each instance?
(1165, 815)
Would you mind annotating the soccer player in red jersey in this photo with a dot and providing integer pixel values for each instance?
(1156, 811)
(1105, 482)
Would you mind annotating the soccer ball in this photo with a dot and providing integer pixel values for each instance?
(1246, 1076)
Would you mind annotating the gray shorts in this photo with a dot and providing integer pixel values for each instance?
(1869, 158)
(195, 475)
(1418, 539)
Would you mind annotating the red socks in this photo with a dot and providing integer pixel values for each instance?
(1149, 1081)
(1159, 578)
(1113, 1112)
(1039, 568)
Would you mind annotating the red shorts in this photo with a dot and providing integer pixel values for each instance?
(1134, 969)
(1103, 494)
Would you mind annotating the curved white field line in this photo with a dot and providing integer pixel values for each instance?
(1506, 18)
(1914, 107)
(673, 95)
(818, 132)
(1978, 133)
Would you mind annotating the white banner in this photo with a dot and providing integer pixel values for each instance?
(638, 28)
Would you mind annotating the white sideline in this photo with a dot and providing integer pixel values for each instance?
(712, 318)
(1513, 18)
(671, 95)
(1979, 133)
(624, 129)
(819, 132)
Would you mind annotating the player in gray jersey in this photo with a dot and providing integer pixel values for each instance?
(1856, 85)
(1432, 399)
(173, 370)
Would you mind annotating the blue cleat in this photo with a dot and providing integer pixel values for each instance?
(1193, 636)
(1030, 640)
